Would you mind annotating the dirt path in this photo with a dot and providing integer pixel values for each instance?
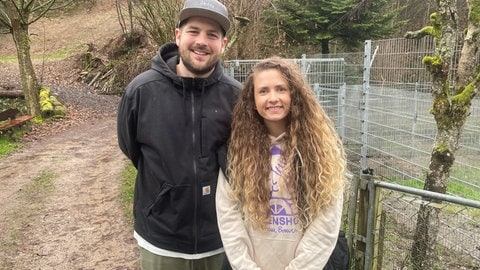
(60, 194)
(72, 218)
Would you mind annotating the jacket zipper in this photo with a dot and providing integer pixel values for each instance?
(195, 231)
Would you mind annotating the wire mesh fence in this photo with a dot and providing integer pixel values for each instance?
(458, 233)
(393, 229)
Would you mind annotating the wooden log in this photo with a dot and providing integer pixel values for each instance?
(11, 94)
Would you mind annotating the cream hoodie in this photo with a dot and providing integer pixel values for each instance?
(284, 245)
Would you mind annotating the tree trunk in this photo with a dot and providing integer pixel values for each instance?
(19, 23)
(325, 46)
(450, 109)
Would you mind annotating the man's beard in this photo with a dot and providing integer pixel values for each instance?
(196, 69)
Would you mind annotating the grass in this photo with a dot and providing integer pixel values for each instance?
(40, 186)
(7, 145)
(127, 190)
(456, 189)
(52, 56)
(10, 140)
(468, 173)
(8, 59)
(453, 187)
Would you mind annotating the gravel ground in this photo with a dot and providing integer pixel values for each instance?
(62, 76)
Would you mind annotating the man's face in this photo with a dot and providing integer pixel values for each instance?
(201, 43)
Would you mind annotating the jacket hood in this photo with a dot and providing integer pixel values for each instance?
(167, 58)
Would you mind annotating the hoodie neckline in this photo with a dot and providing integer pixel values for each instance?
(167, 58)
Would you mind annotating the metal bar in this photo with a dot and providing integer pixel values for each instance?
(429, 194)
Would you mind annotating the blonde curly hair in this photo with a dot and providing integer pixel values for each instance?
(313, 151)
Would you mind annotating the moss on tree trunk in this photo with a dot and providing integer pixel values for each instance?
(19, 29)
(450, 109)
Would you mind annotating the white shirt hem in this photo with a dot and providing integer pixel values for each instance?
(167, 253)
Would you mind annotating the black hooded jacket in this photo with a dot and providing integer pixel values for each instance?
(171, 128)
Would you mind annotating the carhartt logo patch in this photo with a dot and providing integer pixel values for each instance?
(206, 190)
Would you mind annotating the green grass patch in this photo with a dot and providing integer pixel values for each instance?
(7, 145)
(10, 140)
(52, 56)
(462, 190)
(470, 173)
(127, 190)
(8, 59)
(40, 186)
(453, 187)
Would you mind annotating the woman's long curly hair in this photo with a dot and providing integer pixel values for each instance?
(313, 151)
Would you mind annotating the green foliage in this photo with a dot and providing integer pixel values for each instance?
(18, 103)
(302, 23)
(315, 23)
(474, 15)
(7, 145)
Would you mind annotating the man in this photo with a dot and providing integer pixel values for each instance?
(172, 120)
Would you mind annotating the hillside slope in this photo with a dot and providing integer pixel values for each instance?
(95, 24)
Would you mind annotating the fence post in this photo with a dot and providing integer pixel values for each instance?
(231, 68)
(364, 104)
(369, 240)
(341, 111)
(303, 65)
(375, 230)
(368, 245)
(351, 217)
(361, 229)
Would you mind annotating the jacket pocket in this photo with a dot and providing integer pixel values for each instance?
(169, 214)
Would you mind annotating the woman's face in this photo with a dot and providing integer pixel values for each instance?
(272, 99)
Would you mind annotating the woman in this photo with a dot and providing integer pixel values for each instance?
(280, 206)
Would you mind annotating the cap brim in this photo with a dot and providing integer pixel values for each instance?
(192, 12)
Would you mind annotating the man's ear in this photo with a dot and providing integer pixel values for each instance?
(224, 44)
(178, 34)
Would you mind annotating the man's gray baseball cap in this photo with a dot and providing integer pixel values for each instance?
(211, 9)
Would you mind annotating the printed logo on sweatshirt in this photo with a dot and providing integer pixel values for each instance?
(284, 218)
